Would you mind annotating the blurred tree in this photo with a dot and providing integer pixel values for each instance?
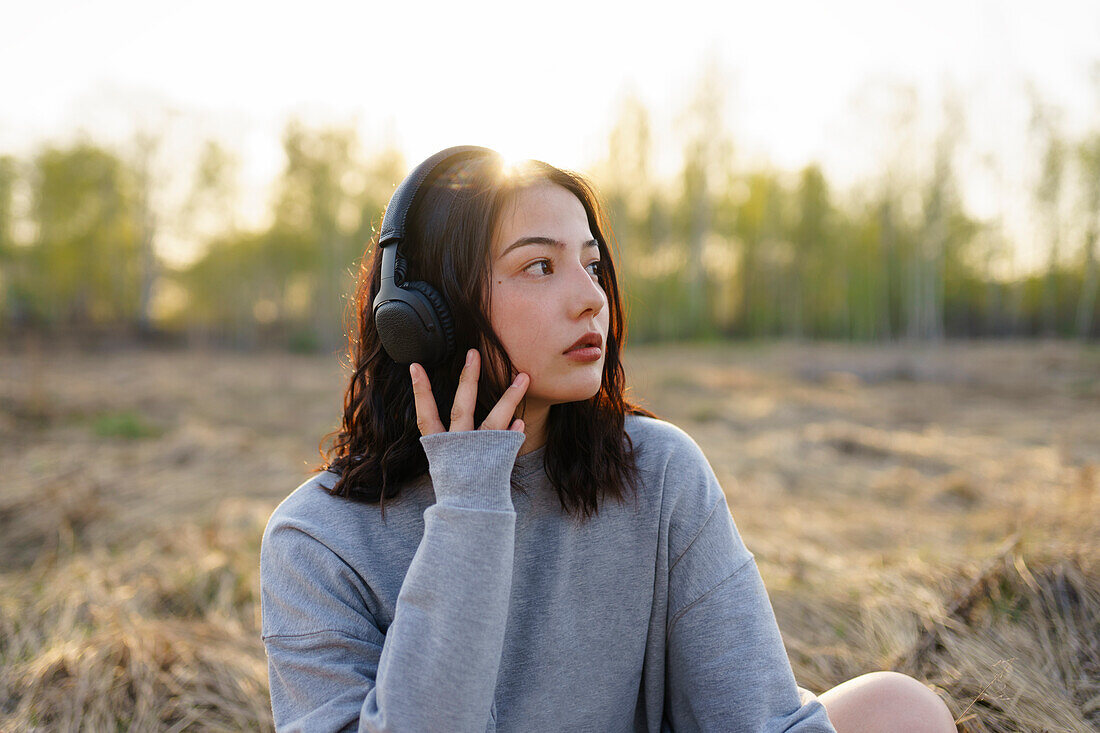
(146, 146)
(85, 263)
(818, 273)
(862, 244)
(708, 157)
(711, 250)
(625, 180)
(759, 227)
(213, 200)
(996, 254)
(926, 302)
(887, 122)
(626, 175)
(216, 282)
(1088, 157)
(888, 269)
(8, 172)
(288, 282)
(319, 208)
(385, 169)
(1049, 189)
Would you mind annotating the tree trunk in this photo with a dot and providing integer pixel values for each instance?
(1087, 304)
(885, 330)
(1050, 291)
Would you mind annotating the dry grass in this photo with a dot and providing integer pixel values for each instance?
(926, 511)
(157, 633)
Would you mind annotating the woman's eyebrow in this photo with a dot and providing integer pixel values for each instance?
(543, 240)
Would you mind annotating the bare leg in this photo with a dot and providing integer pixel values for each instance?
(886, 702)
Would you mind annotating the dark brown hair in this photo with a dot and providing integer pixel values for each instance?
(448, 244)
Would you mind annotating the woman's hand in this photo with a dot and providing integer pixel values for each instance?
(462, 413)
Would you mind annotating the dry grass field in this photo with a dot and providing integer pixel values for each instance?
(934, 510)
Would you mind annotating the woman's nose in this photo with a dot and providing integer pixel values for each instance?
(587, 293)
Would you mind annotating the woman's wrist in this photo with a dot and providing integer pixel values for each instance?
(473, 468)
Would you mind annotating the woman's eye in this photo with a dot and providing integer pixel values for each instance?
(547, 267)
(540, 262)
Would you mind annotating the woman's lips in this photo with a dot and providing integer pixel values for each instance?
(585, 353)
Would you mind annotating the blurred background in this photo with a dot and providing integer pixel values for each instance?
(858, 244)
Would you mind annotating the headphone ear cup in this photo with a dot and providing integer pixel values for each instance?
(409, 327)
(443, 340)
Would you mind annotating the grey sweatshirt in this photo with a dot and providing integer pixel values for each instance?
(474, 607)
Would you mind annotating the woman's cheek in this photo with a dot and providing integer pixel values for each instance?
(520, 317)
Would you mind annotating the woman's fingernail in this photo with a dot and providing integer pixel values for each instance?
(515, 382)
(412, 373)
(469, 357)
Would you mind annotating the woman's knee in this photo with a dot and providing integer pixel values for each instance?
(879, 702)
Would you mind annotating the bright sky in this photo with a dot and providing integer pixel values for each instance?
(542, 80)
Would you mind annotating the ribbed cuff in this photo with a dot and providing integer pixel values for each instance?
(473, 468)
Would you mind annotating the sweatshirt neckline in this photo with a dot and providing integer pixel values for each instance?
(530, 463)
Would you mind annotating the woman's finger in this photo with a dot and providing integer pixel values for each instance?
(500, 417)
(427, 414)
(462, 410)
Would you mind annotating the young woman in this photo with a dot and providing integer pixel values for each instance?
(548, 556)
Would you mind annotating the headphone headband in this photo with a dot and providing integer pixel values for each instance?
(413, 321)
(393, 223)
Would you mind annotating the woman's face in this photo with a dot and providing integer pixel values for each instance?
(545, 293)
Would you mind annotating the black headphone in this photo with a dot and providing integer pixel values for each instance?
(412, 318)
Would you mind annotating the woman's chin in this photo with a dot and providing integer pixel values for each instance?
(575, 387)
(575, 394)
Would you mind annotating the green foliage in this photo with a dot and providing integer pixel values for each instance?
(7, 244)
(84, 264)
(719, 250)
(127, 424)
(291, 278)
(303, 342)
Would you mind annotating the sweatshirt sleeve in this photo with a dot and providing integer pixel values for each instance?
(727, 668)
(435, 666)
